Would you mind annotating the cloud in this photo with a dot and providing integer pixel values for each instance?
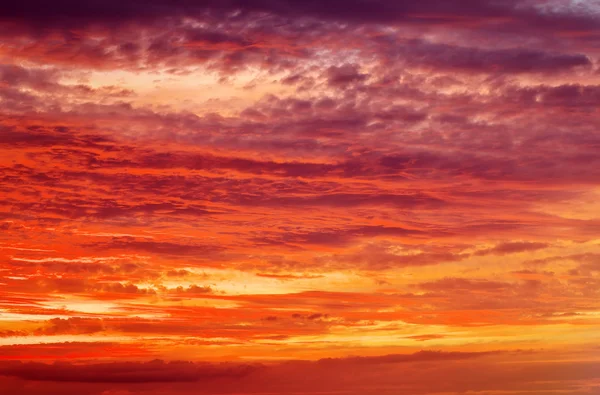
(70, 13)
(512, 248)
(454, 284)
(72, 325)
(421, 356)
(194, 289)
(12, 333)
(496, 372)
(570, 96)
(12, 354)
(79, 285)
(158, 371)
(157, 247)
(344, 75)
(36, 78)
(122, 372)
(513, 60)
(380, 257)
(350, 178)
(286, 277)
(337, 237)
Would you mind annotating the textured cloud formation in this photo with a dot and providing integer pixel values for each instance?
(129, 372)
(368, 375)
(308, 196)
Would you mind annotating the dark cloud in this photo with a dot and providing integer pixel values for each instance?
(158, 247)
(571, 96)
(158, 371)
(51, 283)
(484, 60)
(126, 372)
(379, 11)
(513, 247)
(12, 333)
(492, 373)
(345, 75)
(338, 237)
(36, 78)
(72, 326)
(194, 289)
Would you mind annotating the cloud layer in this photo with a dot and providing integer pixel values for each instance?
(272, 189)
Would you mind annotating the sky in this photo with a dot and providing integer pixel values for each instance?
(300, 197)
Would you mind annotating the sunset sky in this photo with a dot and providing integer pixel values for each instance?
(300, 197)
